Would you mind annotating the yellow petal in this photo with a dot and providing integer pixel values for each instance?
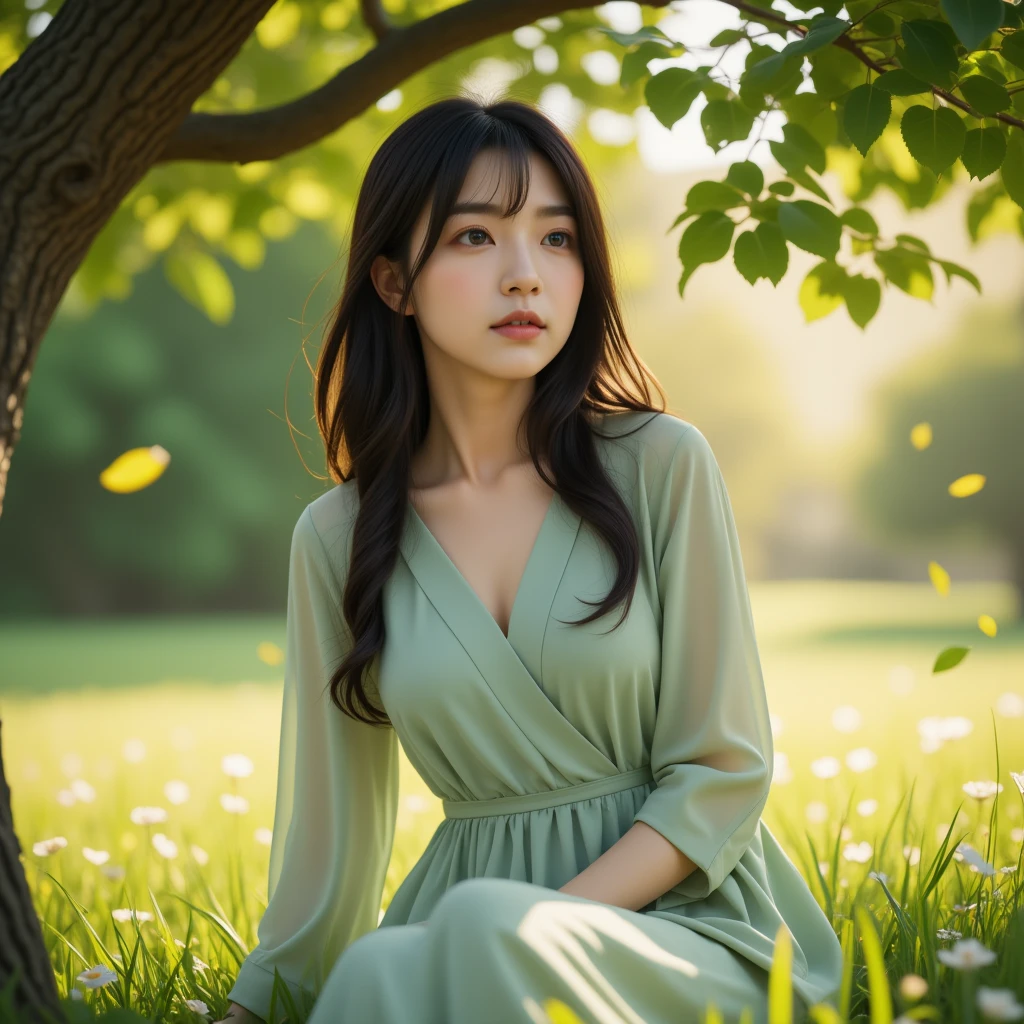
(135, 469)
(939, 577)
(269, 653)
(965, 486)
(987, 625)
(921, 435)
(560, 1013)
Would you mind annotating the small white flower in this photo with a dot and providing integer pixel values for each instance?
(816, 811)
(913, 987)
(865, 808)
(974, 859)
(202, 858)
(846, 833)
(167, 848)
(982, 789)
(861, 760)
(948, 933)
(999, 1003)
(1018, 778)
(966, 955)
(237, 766)
(76, 993)
(113, 872)
(176, 791)
(197, 1006)
(96, 857)
(97, 977)
(234, 804)
(148, 815)
(123, 914)
(263, 836)
(846, 719)
(1009, 869)
(134, 751)
(1010, 705)
(961, 908)
(858, 852)
(825, 767)
(879, 876)
(83, 791)
(66, 797)
(912, 854)
(46, 847)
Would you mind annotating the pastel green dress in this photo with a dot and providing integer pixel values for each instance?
(545, 747)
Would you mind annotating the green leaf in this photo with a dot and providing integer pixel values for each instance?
(634, 62)
(671, 92)
(823, 30)
(1012, 49)
(811, 226)
(746, 175)
(984, 150)
(821, 291)
(804, 178)
(761, 253)
(728, 35)
(201, 280)
(860, 220)
(835, 72)
(928, 52)
(909, 271)
(863, 297)
(1012, 170)
(955, 270)
(799, 149)
(935, 138)
(913, 242)
(866, 114)
(973, 20)
(713, 195)
(706, 240)
(649, 33)
(782, 188)
(986, 96)
(725, 121)
(901, 83)
(951, 656)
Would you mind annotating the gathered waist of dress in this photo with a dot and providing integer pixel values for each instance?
(549, 797)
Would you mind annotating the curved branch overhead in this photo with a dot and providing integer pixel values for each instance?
(278, 131)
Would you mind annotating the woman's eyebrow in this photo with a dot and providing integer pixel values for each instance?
(554, 210)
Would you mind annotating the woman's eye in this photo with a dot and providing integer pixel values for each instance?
(478, 232)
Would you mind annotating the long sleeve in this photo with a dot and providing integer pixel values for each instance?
(711, 751)
(337, 800)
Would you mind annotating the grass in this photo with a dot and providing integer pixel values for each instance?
(824, 646)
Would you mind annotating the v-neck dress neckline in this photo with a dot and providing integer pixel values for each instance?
(460, 605)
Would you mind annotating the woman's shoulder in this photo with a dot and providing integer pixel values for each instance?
(328, 519)
(657, 435)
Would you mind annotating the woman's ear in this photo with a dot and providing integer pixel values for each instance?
(388, 283)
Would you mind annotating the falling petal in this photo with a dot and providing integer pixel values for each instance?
(135, 469)
(987, 625)
(921, 436)
(965, 486)
(269, 653)
(939, 577)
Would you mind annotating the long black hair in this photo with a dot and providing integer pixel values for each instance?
(371, 398)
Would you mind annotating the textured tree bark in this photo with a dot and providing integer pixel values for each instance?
(84, 113)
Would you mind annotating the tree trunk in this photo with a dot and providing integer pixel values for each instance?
(84, 113)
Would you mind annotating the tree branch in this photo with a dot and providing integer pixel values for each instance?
(377, 21)
(845, 43)
(272, 133)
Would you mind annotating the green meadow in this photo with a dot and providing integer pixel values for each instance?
(885, 795)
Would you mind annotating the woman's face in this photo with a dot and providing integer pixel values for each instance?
(486, 266)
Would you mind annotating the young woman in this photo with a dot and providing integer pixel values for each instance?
(602, 775)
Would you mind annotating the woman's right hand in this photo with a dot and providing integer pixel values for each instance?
(239, 1015)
